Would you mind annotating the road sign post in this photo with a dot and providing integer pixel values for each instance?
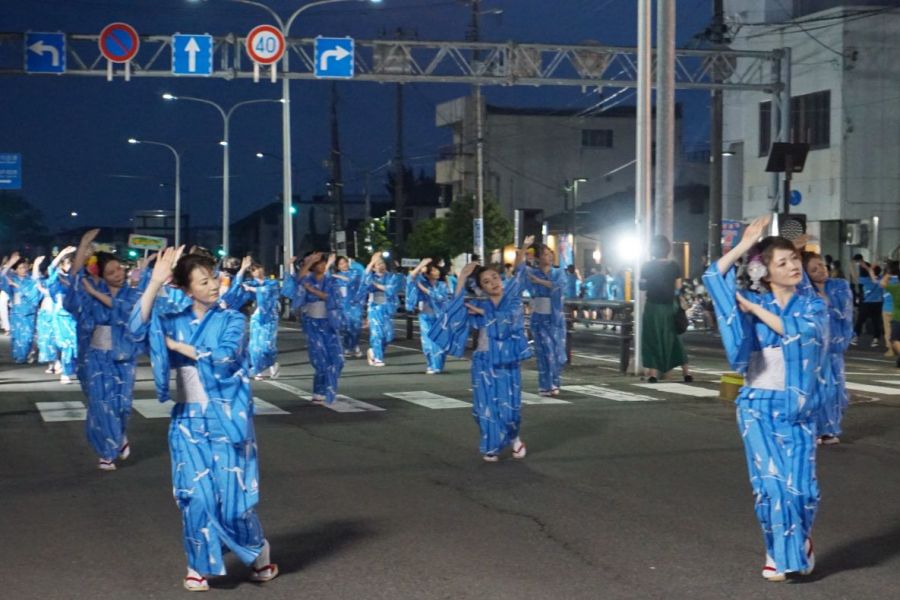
(192, 54)
(119, 43)
(265, 46)
(334, 58)
(45, 52)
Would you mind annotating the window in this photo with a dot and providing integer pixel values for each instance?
(597, 138)
(765, 127)
(810, 121)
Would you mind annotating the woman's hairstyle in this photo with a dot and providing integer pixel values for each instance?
(22, 259)
(442, 272)
(478, 272)
(103, 259)
(660, 246)
(230, 264)
(807, 256)
(255, 265)
(201, 251)
(760, 257)
(338, 259)
(181, 274)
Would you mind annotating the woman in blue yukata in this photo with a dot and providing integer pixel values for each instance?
(347, 280)
(777, 339)
(263, 347)
(212, 445)
(24, 299)
(106, 369)
(502, 345)
(321, 302)
(837, 295)
(548, 323)
(429, 294)
(65, 336)
(48, 353)
(381, 288)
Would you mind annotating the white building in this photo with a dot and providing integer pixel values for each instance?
(845, 92)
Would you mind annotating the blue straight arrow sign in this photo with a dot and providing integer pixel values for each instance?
(192, 54)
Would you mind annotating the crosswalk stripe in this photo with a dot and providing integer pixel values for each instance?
(889, 381)
(70, 410)
(875, 389)
(429, 400)
(608, 359)
(151, 408)
(529, 398)
(342, 404)
(264, 408)
(680, 389)
(609, 394)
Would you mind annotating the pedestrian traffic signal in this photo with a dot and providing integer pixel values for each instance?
(132, 253)
(220, 252)
(293, 209)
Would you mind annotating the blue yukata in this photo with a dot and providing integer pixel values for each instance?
(263, 347)
(548, 327)
(212, 444)
(237, 295)
(573, 286)
(595, 287)
(351, 308)
(322, 323)
(106, 368)
(777, 408)
(65, 335)
(24, 298)
(382, 305)
(840, 331)
(46, 343)
(429, 303)
(502, 345)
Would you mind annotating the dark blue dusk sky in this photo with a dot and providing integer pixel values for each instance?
(72, 131)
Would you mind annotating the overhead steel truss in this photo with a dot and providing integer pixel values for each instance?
(400, 61)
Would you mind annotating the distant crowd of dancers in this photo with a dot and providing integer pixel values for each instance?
(87, 318)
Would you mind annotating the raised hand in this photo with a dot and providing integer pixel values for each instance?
(467, 270)
(528, 241)
(67, 250)
(331, 258)
(165, 263)
(89, 236)
(39, 260)
(744, 304)
(755, 230)
(13, 259)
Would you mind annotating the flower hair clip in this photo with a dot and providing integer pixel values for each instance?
(756, 270)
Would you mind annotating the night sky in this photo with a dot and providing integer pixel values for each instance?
(72, 131)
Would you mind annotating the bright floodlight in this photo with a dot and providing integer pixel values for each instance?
(168, 96)
(133, 141)
(628, 247)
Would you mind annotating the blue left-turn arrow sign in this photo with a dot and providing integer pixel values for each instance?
(45, 52)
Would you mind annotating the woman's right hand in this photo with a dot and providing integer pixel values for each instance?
(165, 263)
(755, 230)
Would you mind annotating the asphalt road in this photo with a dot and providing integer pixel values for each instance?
(627, 491)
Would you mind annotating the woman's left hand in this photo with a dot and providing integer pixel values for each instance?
(744, 304)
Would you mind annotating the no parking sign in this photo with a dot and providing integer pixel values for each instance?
(119, 43)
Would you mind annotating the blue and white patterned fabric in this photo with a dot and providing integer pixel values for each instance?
(24, 299)
(548, 329)
(46, 342)
(381, 309)
(106, 365)
(429, 303)
(65, 335)
(263, 347)
(347, 287)
(237, 295)
(212, 443)
(322, 322)
(840, 329)
(777, 421)
(496, 379)
(596, 287)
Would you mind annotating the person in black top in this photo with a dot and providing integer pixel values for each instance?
(661, 348)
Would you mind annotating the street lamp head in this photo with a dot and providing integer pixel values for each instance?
(259, 155)
(168, 96)
(223, 143)
(727, 153)
(581, 180)
(133, 141)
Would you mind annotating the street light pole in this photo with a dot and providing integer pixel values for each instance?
(177, 184)
(574, 212)
(226, 172)
(287, 191)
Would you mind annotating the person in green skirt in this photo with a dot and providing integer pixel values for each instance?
(661, 347)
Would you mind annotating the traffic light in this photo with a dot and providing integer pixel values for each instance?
(293, 209)
(220, 252)
(132, 253)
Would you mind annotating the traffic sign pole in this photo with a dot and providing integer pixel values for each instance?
(119, 43)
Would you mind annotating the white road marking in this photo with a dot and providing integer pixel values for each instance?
(875, 389)
(151, 408)
(680, 389)
(70, 410)
(341, 404)
(429, 400)
(889, 381)
(609, 394)
(529, 398)
(264, 408)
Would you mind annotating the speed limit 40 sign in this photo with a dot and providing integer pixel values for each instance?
(265, 44)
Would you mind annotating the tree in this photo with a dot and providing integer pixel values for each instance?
(428, 239)
(498, 231)
(21, 225)
(373, 237)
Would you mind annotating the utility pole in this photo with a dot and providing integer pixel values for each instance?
(337, 184)
(478, 224)
(716, 35)
(643, 179)
(664, 197)
(398, 172)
